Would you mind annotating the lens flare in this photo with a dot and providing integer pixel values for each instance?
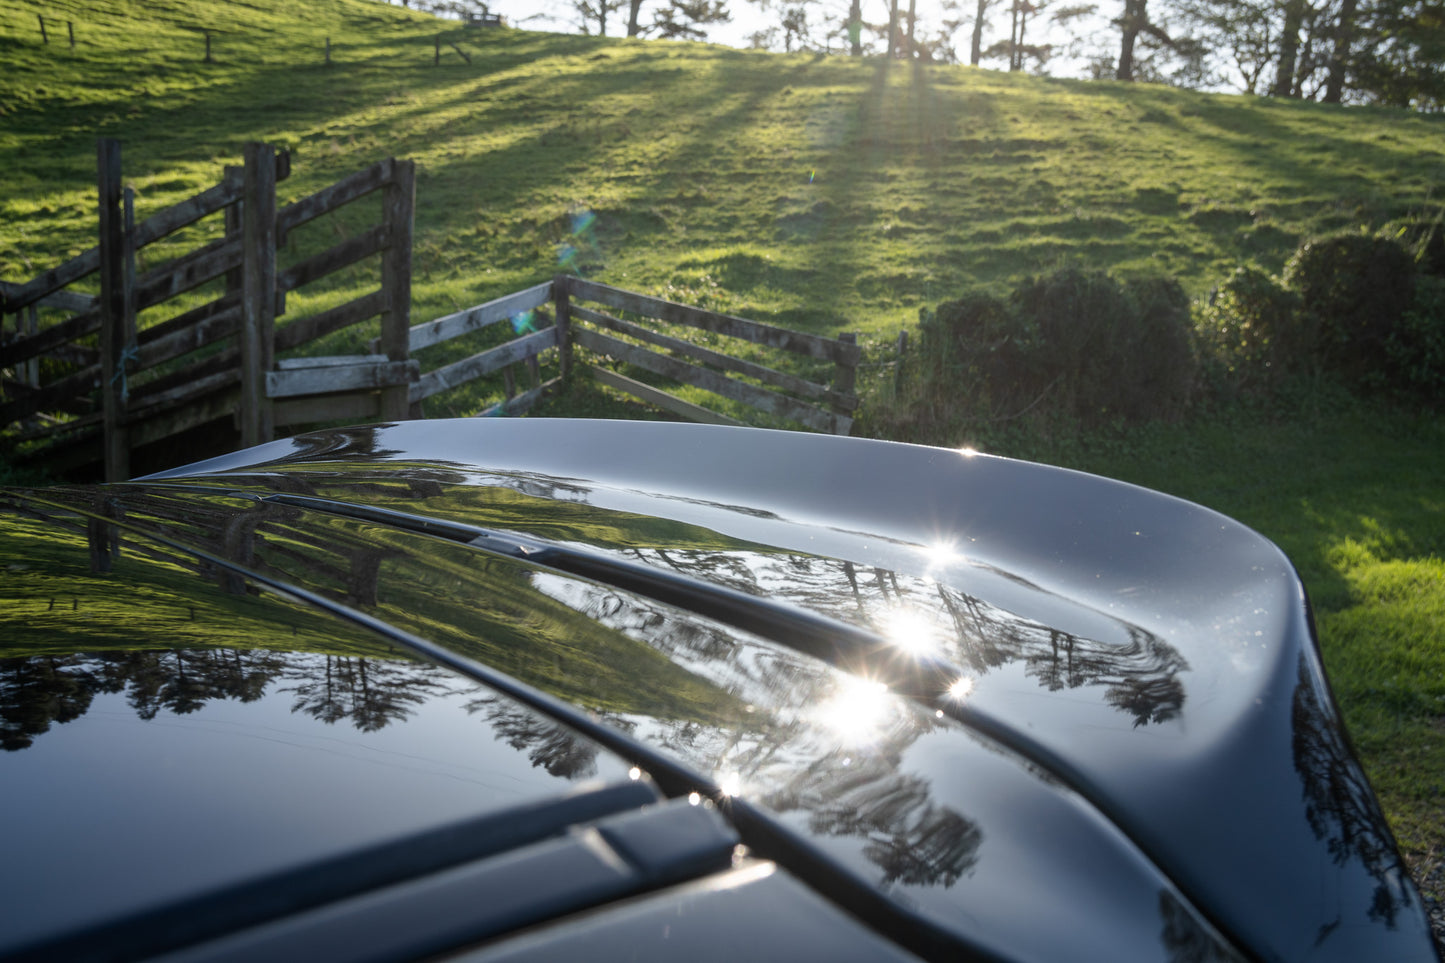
(961, 688)
(858, 711)
(524, 322)
(911, 631)
(730, 783)
(941, 555)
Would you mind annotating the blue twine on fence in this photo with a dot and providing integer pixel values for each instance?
(131, 353)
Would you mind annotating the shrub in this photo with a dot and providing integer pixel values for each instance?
(1354, 290)
(1252, 328)
(1416, 349)
(1075, 344)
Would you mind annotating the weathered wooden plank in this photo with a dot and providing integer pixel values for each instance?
(399, 205)
(330, 361)
(563, 300)
(755, 331)
(349, 407)
(203, 408)
(780, 379)
(114, 391)
(182, 395)
(74, 354)
(485, 363)
(372, 373)
(304, 330)
(258, 292)
(661, 399)
(51, 397)
(13, 352)
(222, 361)
(55, 429)
(845, 373)
(199, 315)
(328, 199)
(79, 405)
(718, 384)
(346, 253)
(192, 338)
(187, 212)
(80, 266)
(189, 271)
(522, 402)
(478, 317)
(60, 300)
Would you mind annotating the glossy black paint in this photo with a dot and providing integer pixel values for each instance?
(1118, 741)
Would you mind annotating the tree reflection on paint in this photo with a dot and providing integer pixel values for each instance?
(1139, 676)
(1339, 805)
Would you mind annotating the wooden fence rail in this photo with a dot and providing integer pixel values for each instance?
(773, 396)
(110, 385)
(218, 358)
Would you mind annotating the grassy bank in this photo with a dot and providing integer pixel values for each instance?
(825, 193)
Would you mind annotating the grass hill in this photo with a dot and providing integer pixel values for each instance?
(822, 193)
(825, 193)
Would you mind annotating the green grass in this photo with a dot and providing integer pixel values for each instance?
(821, 193)
(825, 193)
(1352, 492)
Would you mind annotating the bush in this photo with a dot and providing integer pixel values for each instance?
(1075, 344)
(1354, 290)
(1252, 328)
(1416, 349)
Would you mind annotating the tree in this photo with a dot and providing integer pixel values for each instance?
(975, 49)
(595, 11)
(685, 19)
(1396, 55)
(795, 26)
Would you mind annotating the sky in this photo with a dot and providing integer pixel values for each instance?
(750, 16)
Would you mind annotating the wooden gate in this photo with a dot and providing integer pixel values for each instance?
(219, 359)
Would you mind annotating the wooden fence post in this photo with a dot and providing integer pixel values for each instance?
(113, 354)
(258, 291)
(128, 299)
(845, 376)
(234, 228)
(562, 298)
(32, 326)
(898, 365)
(399, 204)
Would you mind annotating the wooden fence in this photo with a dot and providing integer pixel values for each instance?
(109, 385)
(774, 392)
(218, 359)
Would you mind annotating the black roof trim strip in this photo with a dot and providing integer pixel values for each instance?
(281, 894)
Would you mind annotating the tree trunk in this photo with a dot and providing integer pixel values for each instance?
(912, 22)
(975, 49)
(892, 29)
(1294, 19)
(855, 28)
(1023, 25)
(632, 18)
(1130, 24)
(1339, 57)
(1013, 37)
